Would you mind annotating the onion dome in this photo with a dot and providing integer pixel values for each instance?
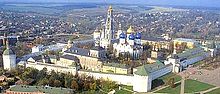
(138, 35)
(122, 35)
(131, 36)
(130, 30)
(110, 7)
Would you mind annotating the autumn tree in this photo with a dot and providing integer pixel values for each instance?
(74, 85)
(171, 82)
(57, 83)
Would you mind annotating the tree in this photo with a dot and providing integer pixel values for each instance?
(29, 73)
(171, 82)
(42, 74)
(57, 83)
(67, 80)
(93, 86)
(74, 85)
(43, 82)
(2, 71)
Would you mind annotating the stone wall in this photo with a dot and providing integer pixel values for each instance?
(118, 78)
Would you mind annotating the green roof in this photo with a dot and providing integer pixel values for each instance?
(145, 70)
(49, 90)
(8, 52)
(189, 52)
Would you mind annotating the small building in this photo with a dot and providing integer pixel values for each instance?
(187, 57)
(34, 59)
(116, 68)
(190, 43)
(159, 42)
(37, 48)
(67, 60)
(88, 59)
(156, 54)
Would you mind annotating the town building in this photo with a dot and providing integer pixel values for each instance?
(89, 59)
(116, 68)
(190, 43)
(37, 48)
(186, 58)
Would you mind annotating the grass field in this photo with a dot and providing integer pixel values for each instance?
(163, 9)
(51, 90)
(122, 91)
(162, 80)
(216, 91)
(191, 86)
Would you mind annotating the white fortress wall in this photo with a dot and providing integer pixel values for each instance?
(52, 67)
(118, 78)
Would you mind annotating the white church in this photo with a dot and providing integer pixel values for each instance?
(9, 58)
(125, 42)
(129, 42)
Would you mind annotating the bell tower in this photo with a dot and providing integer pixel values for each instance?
(106, 40)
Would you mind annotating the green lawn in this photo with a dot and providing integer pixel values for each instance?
(191, 86)
(170, 75)
(122, 91)
(52, 90)
(216, 91)
(162, 80)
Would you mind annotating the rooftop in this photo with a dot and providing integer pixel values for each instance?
(189, 52)
(49, 90)
(97, 48)
(79, 51)
(69, 57)
(146, 69)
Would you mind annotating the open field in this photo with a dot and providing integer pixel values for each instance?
(163, 9)
(191, 86)
(161, 81)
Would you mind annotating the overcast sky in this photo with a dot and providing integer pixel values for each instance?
(210, 3)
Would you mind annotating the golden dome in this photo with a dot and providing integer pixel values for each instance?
(130, 30)
(110, 8)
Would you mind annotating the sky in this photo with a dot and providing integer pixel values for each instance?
(207, 3)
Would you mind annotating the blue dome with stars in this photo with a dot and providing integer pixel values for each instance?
(138, 35)
(131, 37)
(122, 35)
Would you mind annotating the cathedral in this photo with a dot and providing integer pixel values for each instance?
(125, 42)
(129, 42)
